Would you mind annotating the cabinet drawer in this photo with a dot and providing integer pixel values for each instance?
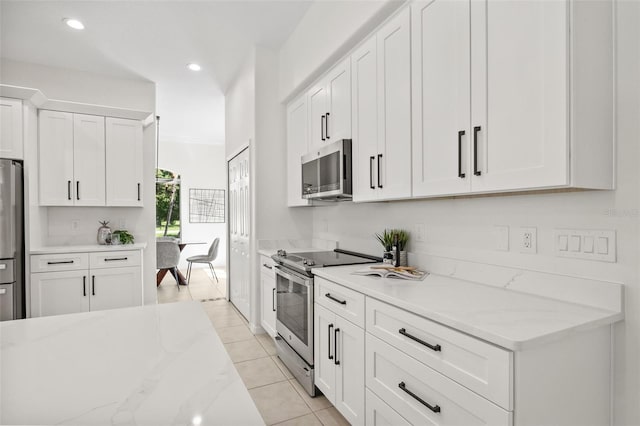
(479, 366)
(59, 262)
(380, 414)
(345, 302)
(421, 394)
(266, 266)
(114, 259)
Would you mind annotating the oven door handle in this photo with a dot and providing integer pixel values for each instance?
(290, 275)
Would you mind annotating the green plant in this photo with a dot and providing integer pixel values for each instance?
(125, 236)
(387, 239)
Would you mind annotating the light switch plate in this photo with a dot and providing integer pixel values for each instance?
(585, 244)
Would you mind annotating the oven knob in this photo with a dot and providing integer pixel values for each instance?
(282, 253)
(310, 262)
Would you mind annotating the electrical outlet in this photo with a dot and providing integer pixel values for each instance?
(527, 240)
(420, 233)
(75, 224)
(122, 223)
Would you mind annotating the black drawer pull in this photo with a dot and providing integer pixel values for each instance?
(62, 262)
(93, 285)
(77, 190)
(342, 302)
(434, 408)
(322, 121)
(138, 192)
(329, 342)
(436, 348)
(371, 160)
(326, 129)
(267, 266)
(335, 346)
(113, 259)
(379, 158)
(84, 286)
(68, 190)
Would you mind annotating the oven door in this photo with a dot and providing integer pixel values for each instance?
(294, 317)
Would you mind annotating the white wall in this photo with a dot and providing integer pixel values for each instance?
(240, 108)
(200, 167)
(463, 228)
(52, 225)
(326, 32)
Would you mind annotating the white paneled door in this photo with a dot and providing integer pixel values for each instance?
(239, 232)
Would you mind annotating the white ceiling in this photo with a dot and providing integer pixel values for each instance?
(154, 40)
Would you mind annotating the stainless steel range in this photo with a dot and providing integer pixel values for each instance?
(294, 317)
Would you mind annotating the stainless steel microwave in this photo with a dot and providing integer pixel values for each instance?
(326, 172)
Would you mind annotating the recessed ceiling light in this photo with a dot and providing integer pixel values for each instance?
(194, 67)
(73, 23)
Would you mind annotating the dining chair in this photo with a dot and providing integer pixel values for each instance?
(205, 258)
(168, 257)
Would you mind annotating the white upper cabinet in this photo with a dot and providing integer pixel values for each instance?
(124, 154)
(330, 106)
(297, 146)
(11, 143)
(88, 160)
(55, 151)
(381, 95)
(71, 151)
(511, 96)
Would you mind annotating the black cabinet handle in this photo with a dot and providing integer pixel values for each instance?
(267, 266)
(273, 299)
(138, 191)
(62, 262)
(93, 285)
(371, 185)
(342, 302)
(436, 348)
(77, 190)
(113, 259)
(329, 341)
(434, 408)
(69, 190)
(322, 124)
(326, 126)
(335, 346)
(475, 151)
(379, 158)
(460, 135)
(84, 285)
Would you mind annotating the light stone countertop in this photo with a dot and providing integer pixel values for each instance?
(507, 318)
(151, 365)
(87, 248)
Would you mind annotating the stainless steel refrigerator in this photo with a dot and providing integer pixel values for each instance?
(12, 284)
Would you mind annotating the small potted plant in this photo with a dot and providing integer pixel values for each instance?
(388, 238)
(121, 236)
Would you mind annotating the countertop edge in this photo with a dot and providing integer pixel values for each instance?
(87, 248)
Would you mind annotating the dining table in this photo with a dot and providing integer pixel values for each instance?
(180, 277)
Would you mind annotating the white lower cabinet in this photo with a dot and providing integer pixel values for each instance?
(268, 290)
(380, 414)
(81, 282)
(339, 370)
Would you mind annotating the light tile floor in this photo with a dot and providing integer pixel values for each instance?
(278, 396)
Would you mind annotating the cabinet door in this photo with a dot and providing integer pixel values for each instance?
(115, 288)
(519, 65)
(338, 124)
(268, 285)
(350, 384)
(441, 97)
(88, 160)
(57, 293)
(55, 152)
(297, 146)
(365, 119)
(124, 162)
(394, 107)
(324, 326)
(317, 96)
(11, 145)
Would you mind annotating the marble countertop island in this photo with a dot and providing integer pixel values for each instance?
(507, 318)
(150, 365)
